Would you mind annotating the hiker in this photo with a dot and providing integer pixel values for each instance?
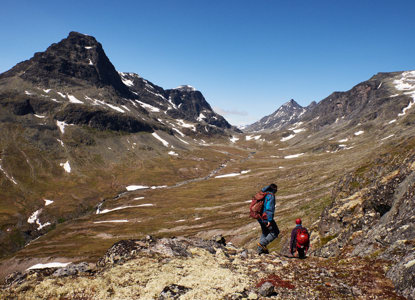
(269, 228)
(300, 241)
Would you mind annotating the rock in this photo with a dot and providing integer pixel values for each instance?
(15, 278)
(284, 262)
(74, 269)
(219, 239)
(266, 290)
(356, 291)
(173, 291)
(252, 296)
(244, 254)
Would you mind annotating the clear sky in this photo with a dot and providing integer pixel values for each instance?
(246, 57)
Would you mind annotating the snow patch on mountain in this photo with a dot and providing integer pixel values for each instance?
(66, 166)
(185, 88)
(61, 125)
(234, 139)
(186, 125)
(48, 202)
(233, 174)
(34, 218)
(165, 143)
(111, 221)
(49, 265)
(73, 99)
(9, 177)
(136, 187)
(293, 156)
(287, 138)
(121, 207)
(179, 132)
(148, 106)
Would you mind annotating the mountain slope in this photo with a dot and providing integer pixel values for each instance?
(72, 127)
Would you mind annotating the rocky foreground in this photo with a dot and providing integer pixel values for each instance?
(184, 268)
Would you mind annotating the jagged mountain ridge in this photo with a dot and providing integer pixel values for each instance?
(287, 114)
(382, 98)
(76, 72)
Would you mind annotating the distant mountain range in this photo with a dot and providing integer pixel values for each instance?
(287, 114)
(382, 98)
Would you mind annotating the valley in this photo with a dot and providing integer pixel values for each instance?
(90, 156)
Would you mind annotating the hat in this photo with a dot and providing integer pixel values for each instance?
(298, 221)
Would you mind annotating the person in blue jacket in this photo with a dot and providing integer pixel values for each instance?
(269, 228)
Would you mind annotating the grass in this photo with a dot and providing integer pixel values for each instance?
(305, 185)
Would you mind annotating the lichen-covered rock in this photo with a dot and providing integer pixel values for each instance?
(173, 291)
(190, 268)
(266, 289)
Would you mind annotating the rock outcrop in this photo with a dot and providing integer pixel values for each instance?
(189, 268)
(373, 216)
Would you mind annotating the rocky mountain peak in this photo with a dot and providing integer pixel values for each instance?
(287, 114)
(186, 88)
(78, 59)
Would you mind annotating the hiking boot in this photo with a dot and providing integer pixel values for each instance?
(262, 249)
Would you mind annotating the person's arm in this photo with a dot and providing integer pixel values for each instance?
(269, 207)
(293, 235)
(264, 189)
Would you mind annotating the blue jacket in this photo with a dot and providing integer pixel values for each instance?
(269, 206)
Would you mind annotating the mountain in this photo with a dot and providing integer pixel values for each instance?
(68, 112)
(287, 114)
(384, 97)
(74, 81)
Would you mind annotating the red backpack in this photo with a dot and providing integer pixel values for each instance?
(302, 238)
(257, 205)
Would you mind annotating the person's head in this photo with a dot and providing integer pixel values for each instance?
(273, 188)
(298, 221)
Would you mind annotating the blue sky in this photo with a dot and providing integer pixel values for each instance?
(246, 57)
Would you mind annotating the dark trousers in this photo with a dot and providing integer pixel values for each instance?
(301, 252)
(268, 233)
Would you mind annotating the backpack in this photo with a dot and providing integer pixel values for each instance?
(302, 238)
(257, 205)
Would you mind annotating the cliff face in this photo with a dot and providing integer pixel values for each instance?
(182, 268)
(373, 216)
